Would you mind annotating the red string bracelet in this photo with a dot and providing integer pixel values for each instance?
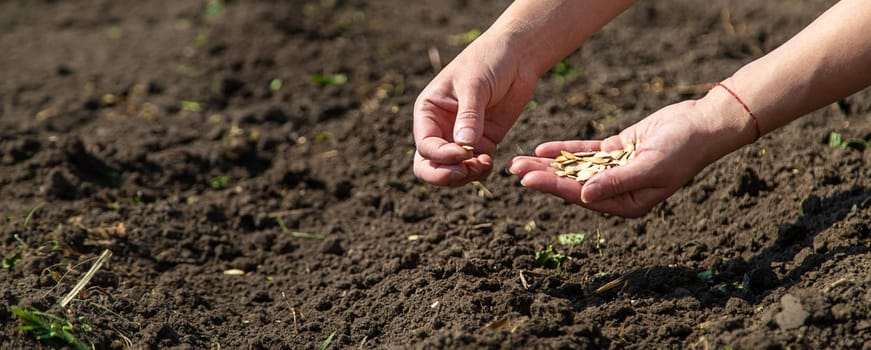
(755, 120)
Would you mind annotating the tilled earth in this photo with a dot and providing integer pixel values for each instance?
(248, 166)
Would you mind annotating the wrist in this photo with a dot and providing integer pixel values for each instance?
(519, 39)
(725, 121)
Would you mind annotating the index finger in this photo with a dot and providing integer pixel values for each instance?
(432, 135)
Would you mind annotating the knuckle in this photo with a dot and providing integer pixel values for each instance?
(468, 116)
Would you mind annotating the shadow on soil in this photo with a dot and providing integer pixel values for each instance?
(750, 280)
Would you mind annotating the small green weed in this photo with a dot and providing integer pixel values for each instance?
(706, 275)
(329, 79)
(46, 326)
(327, 342)
(275, 85)
(190, 106)
(8, 261)
(563, 70)
(213, 9)
(837, 140)
(219, 182)
(323, 136)
(466, 37)
(282, 225)
(550, 258)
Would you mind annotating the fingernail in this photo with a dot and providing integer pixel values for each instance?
(465, 135)
(590, 193)
(457, 175)
(523, 181)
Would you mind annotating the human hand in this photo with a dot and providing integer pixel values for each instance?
(473, 102)
(672, 145)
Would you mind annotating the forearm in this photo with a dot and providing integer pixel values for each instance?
(828, 60)
(544, 31)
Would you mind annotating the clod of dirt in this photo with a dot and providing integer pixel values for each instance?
(789, 234)
(415, 213)
(792, 314)
(230, 86)
(86, 165)
(18, 150)
(842, 312)
(332, 245)
(57, 185)
(760, 279)
(748, 183)
(342, 189)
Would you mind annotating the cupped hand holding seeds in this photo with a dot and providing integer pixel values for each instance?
(667, 149)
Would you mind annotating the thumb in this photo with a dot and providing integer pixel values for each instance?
(471, 103)
(632, 176)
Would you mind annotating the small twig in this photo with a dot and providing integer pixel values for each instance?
(834, 284)
(523, 280)
(292, 312)
(365, 338)
(101, 290)
(297, 234)
(610, 285)
(438, 311)
(69, 269)
(482, 190)
(726, 20)
(128, 344)
(86, 278)
(703, 342)
(295, 324)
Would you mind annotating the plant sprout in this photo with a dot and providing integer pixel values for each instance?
(329, 79)
(327, 342)
(47, 326)
(275, 85)
(550, 258)
(219, 182)
(190, 106)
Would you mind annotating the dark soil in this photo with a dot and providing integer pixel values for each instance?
(767, 248)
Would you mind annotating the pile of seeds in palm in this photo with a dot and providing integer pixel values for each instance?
(581, 166)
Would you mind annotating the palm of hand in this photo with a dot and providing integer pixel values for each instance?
(667, 156)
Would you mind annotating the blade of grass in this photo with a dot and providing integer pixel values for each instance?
(282, 225)
(327, 342)
(47, 326)
(30, 216)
